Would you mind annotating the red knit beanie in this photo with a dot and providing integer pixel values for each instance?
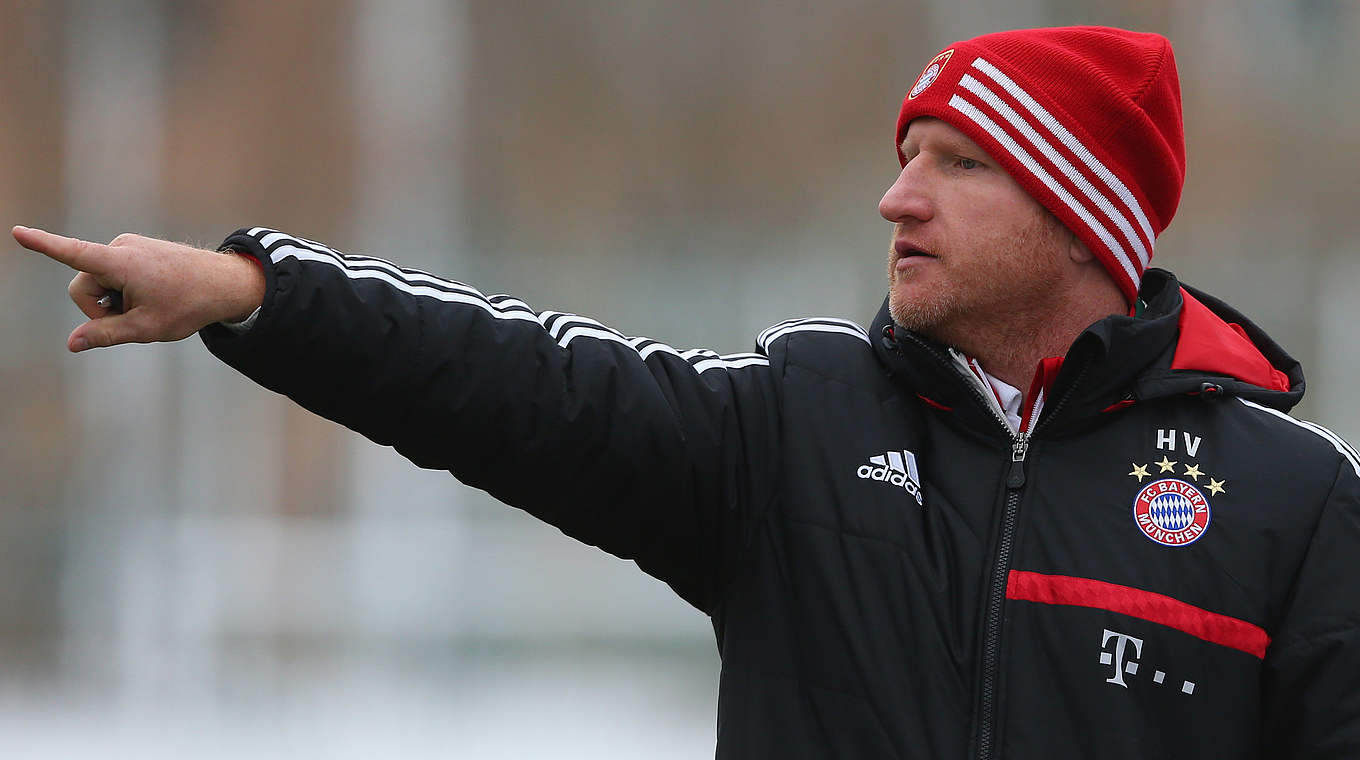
(1086, 119)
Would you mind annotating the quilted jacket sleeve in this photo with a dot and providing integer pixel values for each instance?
(653, 454)
(1312, 668)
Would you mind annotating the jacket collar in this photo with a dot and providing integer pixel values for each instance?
(1185, 342)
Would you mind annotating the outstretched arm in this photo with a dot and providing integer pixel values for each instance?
(169, 291)
(664, 456)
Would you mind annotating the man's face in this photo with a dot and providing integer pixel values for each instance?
(969, 244)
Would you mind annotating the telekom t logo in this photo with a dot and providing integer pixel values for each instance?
(1115, 651)
(1122, 664)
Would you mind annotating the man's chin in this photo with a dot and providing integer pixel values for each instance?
(918, 311)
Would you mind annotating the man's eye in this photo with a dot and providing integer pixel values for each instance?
(968, 163)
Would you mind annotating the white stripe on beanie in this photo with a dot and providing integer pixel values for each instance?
(1028, 161)
(1140, 246)
(1054, 126)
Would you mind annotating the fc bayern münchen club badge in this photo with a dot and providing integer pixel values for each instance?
(1171, 512)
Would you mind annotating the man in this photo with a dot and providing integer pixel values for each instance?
(1050, 506)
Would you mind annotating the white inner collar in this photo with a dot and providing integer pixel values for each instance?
(1005, 399)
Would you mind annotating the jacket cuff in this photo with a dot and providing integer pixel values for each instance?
(243, 242)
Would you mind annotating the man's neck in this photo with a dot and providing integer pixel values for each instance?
(1010, 345)
(1011, 352)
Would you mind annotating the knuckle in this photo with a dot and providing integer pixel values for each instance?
(84, 253)
(126, 238)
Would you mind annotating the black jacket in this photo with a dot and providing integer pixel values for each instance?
(1165, 569)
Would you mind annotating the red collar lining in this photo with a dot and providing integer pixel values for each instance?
(1208, 344)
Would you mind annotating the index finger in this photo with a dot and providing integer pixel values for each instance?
(77, 254)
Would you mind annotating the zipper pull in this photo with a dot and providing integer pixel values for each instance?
(1016, 478)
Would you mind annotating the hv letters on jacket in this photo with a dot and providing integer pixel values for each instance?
(1164, 569)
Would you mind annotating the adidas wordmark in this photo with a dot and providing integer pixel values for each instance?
(897, 468)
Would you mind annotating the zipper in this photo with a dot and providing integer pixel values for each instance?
(996, 593)
(996, 597)
(968, 380)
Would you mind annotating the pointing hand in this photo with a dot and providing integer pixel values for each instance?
(168, 290)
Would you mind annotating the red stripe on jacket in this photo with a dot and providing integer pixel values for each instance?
(1144, 605)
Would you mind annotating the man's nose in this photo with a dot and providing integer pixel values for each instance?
(907, 199)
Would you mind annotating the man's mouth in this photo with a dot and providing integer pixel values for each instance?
(906, 252)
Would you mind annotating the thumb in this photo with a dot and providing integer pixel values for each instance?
(112, 330)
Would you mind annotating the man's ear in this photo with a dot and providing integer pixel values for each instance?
(1077, 250)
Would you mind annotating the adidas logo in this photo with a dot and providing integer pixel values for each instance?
(897, 468)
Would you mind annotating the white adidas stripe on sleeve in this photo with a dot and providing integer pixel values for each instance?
(1335, 440)
(564, 327)
(819, 324)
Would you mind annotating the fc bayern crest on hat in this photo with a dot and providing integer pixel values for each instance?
(931, 73)
(1171, 512)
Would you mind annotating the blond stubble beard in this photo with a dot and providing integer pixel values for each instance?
(918, 316)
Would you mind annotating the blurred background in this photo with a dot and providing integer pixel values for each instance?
(191, 567)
